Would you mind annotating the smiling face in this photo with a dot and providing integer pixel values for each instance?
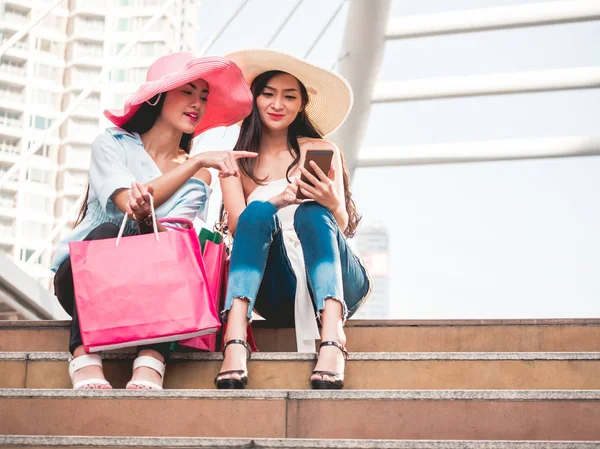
(184, 106)
(279, 102)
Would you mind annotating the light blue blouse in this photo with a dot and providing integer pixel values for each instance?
(118, 158)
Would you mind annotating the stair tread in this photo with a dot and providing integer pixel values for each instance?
(261, 324)
(554, 335)
(372, 414)
(281, 443)
(474, 395)
(297, 356)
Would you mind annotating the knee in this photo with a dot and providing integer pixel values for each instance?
(104, 231)
(311, 213)
(257, 215)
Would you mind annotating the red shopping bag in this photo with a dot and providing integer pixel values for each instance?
(142, 289)
(209, 342)
(214, 257)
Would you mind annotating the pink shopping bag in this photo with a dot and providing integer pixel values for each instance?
(214, 257)
(142, 289)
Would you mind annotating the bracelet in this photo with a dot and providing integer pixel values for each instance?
(146, 221)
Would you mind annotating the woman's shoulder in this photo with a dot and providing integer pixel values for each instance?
(114, 135)
(203, 175)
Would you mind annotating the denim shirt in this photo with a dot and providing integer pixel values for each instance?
(118, 158)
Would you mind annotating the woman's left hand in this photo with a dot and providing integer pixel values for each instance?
(323, 189)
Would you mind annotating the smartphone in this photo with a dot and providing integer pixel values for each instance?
(322, 158)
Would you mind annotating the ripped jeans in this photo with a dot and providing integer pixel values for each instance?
(260, 270)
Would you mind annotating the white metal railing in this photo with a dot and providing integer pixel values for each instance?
(10, 122)
(22, 45)
(494, 84)
(11, 96)
(14, 17)
(19, 71)
(528, 15)
(7, 231)
(141, 4)
(86, 31)
(93, 4)
(354, 58)
(89, 108)
(10, 149)
(479, 151)
(89, 25)
(82, 53)
(8, 202)
(82, 77)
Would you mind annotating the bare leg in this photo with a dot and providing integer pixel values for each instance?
(332, 329)
(237, 325)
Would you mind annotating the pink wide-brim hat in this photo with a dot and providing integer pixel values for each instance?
(229, 100)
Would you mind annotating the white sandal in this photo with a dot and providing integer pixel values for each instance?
(84, 361)
(148, 362)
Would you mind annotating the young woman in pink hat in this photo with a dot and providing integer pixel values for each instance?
(149, 153)
(290, 260)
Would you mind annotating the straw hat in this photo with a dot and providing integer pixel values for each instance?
(329, 95)
(230, 98)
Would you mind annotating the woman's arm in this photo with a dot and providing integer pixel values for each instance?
(165, 186)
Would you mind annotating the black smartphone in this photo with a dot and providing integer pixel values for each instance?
(322, 158)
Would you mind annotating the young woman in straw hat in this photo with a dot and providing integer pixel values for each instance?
(290, 259)
(148, 153)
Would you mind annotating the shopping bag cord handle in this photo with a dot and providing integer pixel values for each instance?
(154, 225)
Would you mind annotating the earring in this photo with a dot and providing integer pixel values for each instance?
(155, 102)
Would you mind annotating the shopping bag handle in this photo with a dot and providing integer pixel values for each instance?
(154, 225)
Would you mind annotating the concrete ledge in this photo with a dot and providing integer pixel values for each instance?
(288, 443)
(262, 324)
(449, 395)
(33, 393)
(296, 356)
(430, 395)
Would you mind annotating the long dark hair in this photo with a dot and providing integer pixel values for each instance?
(142, 121)
(251, 134)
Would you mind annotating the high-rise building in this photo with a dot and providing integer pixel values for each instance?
(41, 75)
(372, 243)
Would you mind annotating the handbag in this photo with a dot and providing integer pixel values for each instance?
(216, 260)
(214, 255)
(142, 289)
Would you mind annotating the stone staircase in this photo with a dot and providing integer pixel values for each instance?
(410, 384)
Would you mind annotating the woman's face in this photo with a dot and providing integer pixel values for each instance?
(279, 102)
(185, 106)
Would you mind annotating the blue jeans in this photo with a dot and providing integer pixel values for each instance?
(260, 271)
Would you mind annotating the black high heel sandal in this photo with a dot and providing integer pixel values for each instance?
(229, 383)
(338, 382)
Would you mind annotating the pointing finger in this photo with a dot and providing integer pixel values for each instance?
(241, 154)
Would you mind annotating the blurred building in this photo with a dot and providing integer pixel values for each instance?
(372, 243)
(41, 75)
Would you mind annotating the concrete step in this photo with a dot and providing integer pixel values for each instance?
(437, 415)
(365, 371)
(374, 336)
(60, 442)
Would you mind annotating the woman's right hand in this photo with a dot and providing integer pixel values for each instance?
(287, 197)
(224, 161)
